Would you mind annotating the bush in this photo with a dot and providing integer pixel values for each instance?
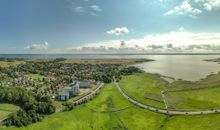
(68, 106)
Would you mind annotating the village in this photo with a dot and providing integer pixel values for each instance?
(43, 87)
(60, 81)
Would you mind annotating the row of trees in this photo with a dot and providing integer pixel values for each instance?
(129, 70)
(33, 106)
(11, 59)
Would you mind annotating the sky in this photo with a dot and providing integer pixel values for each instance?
(82, 26)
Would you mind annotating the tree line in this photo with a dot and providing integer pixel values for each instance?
(33, 106)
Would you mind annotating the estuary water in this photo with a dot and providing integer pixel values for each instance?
(187, 67)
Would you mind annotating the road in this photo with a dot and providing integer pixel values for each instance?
(90, 95)
(162, 110)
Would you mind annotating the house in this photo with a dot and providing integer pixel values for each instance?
(84, 84)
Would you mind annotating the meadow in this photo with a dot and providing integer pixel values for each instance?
(6, 109)
(7, 64)
(180, 94)
(111, 111)
(145, 87)
(207, 98)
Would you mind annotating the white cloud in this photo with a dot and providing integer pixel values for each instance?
(209, 5)
(79, 9)
(85, 8)
(118, 31)
(95, 8)
(184, 8)
(180, 41)
(43, 46)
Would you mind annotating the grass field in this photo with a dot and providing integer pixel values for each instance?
(7, 64)
(145, 87)
(111, 111)
(107, 111)
(6, 109)
(207, 122)
(198, 99)
(203, 94)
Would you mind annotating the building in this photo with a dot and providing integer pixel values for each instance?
(85, 84)
(75, 88)
(69, 92)
(63, 96)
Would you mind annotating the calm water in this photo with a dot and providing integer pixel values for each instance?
(187, 67)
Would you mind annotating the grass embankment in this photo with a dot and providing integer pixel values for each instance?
(145, 88)
(6, 109)
(109, 110)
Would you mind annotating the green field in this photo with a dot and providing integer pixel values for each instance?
(202, 94)
(7, 64)
(205, 122)
(198, 99)
(111, 111)
(6, 109)
(145, 87)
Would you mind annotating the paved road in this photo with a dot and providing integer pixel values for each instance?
(161, 110)
(90, 95)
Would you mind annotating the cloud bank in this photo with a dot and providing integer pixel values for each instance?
(43, 46)
(179, 41)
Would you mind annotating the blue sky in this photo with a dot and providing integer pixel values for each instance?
(41, 26)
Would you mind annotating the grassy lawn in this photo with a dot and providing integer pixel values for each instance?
(198, 99)
(108, 111)
(145, 88)
(6, 109)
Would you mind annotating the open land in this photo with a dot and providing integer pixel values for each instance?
(110, 109)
